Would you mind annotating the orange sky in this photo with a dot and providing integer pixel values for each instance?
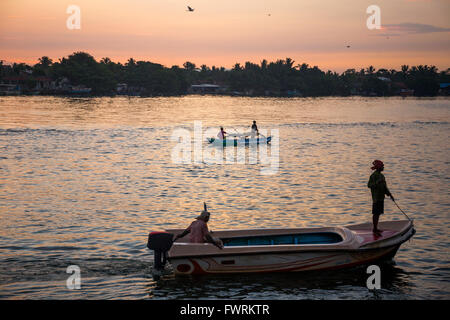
(223, 32)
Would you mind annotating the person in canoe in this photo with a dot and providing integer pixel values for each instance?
(255, 130)
(199, 232)
(378, 188)
(222, 134)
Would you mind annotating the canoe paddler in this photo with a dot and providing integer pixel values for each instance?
(222, 134)
(198, 231)
(378, 188)
(255, 130)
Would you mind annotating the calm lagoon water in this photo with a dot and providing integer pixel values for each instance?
(83, 181)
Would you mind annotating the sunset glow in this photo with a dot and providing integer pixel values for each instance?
(330, 34)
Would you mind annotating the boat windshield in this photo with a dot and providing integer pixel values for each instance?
(301, 238)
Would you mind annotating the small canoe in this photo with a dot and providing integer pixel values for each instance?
(239, 141)
(289, 250)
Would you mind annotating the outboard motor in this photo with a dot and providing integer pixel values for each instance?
(160, 242)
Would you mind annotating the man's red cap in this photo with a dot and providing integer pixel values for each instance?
(377, 164)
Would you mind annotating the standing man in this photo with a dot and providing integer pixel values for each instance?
(255, 130)
(378, 188)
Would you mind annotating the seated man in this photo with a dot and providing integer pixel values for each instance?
(199, 231)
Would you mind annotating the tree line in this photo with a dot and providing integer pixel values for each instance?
(278, 78)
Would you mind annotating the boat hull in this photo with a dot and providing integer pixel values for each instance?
(236, 142)
(358, 246)
(290, 262)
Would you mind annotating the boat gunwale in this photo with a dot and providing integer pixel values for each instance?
(271, 231)
(336, 229)
(348, 239)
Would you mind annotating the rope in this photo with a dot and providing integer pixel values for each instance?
(402, 210)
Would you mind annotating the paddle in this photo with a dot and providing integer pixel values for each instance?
(401, 210)
(236, 131)
(241, 133)
(260, 134)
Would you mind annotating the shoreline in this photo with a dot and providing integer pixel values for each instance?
(215, 95)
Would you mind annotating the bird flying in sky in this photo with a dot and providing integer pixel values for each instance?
(190, 9)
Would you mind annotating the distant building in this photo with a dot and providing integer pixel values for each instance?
(122, 88)
(402, 89)
(26, 83)
(384, 79)
(44, 83)
(9, 89)
(206, 89)
(81, 89)
(406, 92)
(444, 88)
(293, 93)
(64, 86)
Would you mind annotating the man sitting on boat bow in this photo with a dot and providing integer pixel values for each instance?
(199, 231)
